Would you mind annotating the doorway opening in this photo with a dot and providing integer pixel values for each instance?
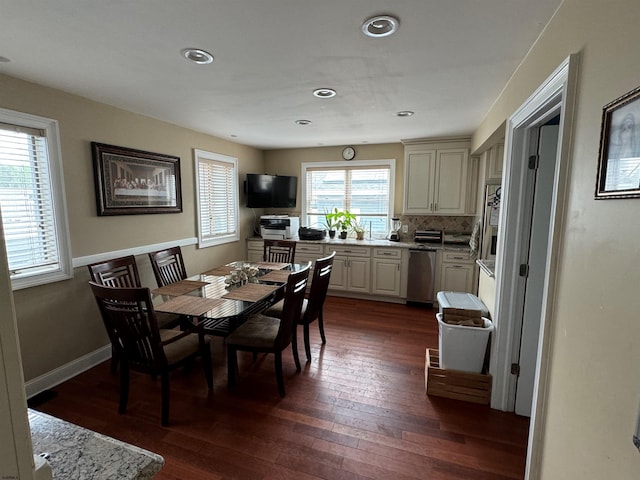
(518, 285)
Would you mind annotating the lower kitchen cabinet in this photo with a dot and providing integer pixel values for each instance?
(351, 269)
(377, 272)
(308, 252)
(387, 272)
(255, 250)
(457, 272)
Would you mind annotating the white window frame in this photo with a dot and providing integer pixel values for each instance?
(391, 163)
(233, 162)
(64, 270)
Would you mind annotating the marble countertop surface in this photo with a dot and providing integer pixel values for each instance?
(78, 453)
(380, 243)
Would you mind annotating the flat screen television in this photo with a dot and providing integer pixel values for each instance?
(271, 191)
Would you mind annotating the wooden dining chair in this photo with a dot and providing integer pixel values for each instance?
(118, 272)
(131, 324)
(262, 334)
(168, 266)
(279, 251)
(312, 307)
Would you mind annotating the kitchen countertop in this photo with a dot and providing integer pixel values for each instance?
(75, 452)
(379, 243)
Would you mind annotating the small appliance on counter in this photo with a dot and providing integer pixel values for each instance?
(428, 236)
(279, 227)
(308, 233)
(461, 239)
(394, 233)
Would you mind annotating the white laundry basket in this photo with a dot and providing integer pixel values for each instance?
(463, 348)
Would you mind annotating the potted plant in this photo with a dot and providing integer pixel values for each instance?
(346, 220)
(331, 222)
(359, 229)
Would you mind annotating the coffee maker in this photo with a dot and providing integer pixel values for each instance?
(394, 233)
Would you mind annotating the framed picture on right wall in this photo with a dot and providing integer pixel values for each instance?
(619, 161)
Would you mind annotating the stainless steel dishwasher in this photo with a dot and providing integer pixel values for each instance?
(422, 274)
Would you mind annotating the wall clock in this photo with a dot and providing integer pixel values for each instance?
(348, 153)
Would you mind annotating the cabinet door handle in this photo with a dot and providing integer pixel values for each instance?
(386, 253)
(435, 207)
(458, 258)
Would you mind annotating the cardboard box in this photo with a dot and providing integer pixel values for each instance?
(469, 387)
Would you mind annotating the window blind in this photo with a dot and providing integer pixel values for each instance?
(26, 201)
(363, 190)
(217, 199)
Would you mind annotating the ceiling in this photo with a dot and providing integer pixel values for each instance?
(448, 62)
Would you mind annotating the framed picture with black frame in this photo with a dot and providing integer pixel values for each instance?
(135, 182)
(618, 173)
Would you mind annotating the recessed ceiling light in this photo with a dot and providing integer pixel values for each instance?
(197, 55)
(324, 92)
(303, 122)
(380, 26)
(404, 113)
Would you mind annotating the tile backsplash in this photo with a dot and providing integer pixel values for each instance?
(450, 224)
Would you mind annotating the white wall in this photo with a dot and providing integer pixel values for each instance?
(16, 459)
(594, 383)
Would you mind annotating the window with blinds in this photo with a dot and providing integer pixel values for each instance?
(217, 185)
(32, 200)
(364, 188)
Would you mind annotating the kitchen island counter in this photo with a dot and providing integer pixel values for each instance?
(75, 452)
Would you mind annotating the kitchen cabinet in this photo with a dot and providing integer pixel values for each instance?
(494, 161)
(255, 250)
(457, 271)
(351, 268)
(308, 252)
(387, 271)
(437, 180)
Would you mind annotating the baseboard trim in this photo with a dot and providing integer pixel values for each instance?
(100, 257)
(366, 296)
(67, 371)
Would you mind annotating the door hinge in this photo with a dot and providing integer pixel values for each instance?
(524, 270)
(533, 162)
(515, 369)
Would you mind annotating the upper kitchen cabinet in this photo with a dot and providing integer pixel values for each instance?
(494, 160)
(439, 178)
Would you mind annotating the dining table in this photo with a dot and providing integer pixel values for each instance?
(222, 298)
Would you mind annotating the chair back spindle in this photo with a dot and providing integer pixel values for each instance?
(120, 272)
(168, 266)
(279, 251)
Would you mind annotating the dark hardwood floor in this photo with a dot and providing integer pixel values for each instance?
(357, 411)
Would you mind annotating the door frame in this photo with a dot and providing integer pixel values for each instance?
(556, 95)
(534, 253)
